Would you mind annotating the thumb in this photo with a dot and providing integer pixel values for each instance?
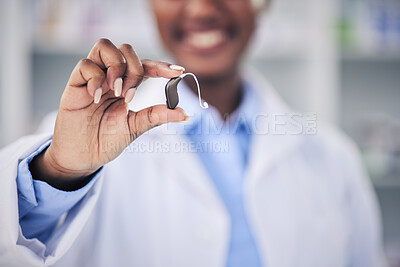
(148, 118)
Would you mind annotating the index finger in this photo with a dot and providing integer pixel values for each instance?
(155, 69)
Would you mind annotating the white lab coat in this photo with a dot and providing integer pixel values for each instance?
(307, 198)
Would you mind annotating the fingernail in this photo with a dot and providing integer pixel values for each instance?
(185, 119)
(176, 67)
(118, 87)
(97, 95)
(129, 95)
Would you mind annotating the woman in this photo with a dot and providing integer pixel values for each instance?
(226, 188)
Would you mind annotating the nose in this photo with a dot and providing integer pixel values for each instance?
(201, 9)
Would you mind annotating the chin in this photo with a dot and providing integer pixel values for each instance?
(211, 74)
(213, 68)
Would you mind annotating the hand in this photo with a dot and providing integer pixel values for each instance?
(94, 124)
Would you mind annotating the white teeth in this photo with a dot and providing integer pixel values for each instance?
(206, 39)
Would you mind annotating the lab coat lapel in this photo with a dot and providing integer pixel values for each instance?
(269, 145)
(268, 149)
(193, 176)
(208, 222)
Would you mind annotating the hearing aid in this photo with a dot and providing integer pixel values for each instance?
(171, 91)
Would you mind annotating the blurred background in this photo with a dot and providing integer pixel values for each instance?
(340, 58)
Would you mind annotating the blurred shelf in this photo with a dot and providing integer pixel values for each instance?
(82, 50)
(386, 183)
(377, 56)
(269, 55)
(61, 49)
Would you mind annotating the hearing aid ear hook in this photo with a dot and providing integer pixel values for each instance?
(171, 91)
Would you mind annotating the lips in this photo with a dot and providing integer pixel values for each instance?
(206, 39)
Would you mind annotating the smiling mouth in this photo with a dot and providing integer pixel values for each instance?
(205, 41)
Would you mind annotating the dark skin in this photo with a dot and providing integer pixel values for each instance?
(93, 124)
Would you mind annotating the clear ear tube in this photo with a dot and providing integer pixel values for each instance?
(203, 104)
(171, 91)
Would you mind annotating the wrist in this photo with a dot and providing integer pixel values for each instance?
(45, 167)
